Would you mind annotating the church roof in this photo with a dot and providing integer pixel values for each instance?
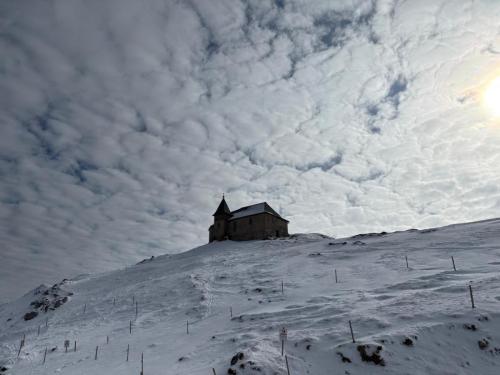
(223, 208)
(254, 209)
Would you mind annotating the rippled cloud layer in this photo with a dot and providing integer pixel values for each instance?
(123, 122)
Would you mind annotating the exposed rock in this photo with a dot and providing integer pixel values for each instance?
(49, 298)
(30, 315)
(237, 357)
(483, 344)
(428, 230)
(231, 371)
(145, 260)
(470, 327)
(407, 341)
(371, 353)
(344, 358)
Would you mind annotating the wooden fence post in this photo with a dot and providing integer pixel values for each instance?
(96, 349)
(336, 279)
(231, 311)
(352, 333)
(282, 288)
(136, 309)
(84, 308)
(471, 296)
(21, 346)
(453, 262)
(107, 339)
(406, 258)
(142, 363)
(44, 355)
(130, 327)
(287, 367)
(283, 336)
(128, 350)
(213, 370)
(187, 327)
(75, 346)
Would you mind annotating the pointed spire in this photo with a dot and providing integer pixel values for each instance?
(223, 208)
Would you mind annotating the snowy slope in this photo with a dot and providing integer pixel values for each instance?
(427, 306)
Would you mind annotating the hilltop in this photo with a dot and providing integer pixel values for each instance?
(406, 320)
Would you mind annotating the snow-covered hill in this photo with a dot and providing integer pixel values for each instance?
(415, 320)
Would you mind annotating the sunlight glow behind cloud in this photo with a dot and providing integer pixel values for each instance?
(492, 97)
(123, 122)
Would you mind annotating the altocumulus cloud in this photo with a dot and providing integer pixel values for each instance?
(122, 122)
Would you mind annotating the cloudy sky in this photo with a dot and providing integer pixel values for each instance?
(123, 122)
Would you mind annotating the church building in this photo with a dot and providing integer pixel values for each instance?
(256, 222)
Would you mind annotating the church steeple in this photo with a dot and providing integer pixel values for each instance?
(219, 231)
(223, 209)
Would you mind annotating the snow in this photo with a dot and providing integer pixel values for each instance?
(250, 210)
(426, 305)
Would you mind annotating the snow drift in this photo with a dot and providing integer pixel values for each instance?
(235, 297)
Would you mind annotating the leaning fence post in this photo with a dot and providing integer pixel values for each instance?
(136, 309)
(84, 308)
(336, 279)
(128, 350)
(96, 349)
(471, 296)
(352, 333)
(21, 346)
(453, 262)
(282, 288)
(75, 346)
(213, 370)
(130, 327)
(38, 332)
(107, 339)
(187, 327)
(231, 311)
(406, 258)
(287, 368)
(44, 355)
(142, 363)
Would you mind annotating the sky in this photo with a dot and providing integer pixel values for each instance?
(124, 121)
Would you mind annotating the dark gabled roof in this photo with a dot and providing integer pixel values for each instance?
(223, 209)
(254, 209)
